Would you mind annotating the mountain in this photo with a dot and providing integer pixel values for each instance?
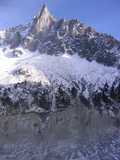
(59, 91)
(65, 59)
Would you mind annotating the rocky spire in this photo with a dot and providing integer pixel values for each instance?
(44, 20)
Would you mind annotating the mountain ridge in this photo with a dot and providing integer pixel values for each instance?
(70, 35)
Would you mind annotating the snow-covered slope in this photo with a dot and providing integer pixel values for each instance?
(46, 68)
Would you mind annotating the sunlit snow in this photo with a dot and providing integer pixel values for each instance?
(62, 68)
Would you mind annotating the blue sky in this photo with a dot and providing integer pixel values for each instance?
(103, 15)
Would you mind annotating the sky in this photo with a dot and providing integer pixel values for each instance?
(103, 15)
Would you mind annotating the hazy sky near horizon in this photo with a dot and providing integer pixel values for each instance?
(103, 15)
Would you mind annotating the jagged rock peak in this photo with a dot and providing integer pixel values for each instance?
(44, 11)
(44, 20)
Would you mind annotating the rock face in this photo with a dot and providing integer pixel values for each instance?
(72, 122)
(43, 21)
(75, 133)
